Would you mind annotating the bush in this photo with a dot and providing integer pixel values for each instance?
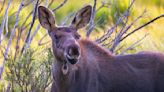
(30, 72)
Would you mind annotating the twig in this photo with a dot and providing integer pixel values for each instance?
(103, 5)
(91, 23)
(28, 16)
(126, 14)
(65, 20)
(112, 29)
(120, 34)
(38, 26)
(8, 87)
(10, 39)
(6, 26)
(125, 29)
(108, 33)
(51, 3)
(31, 26)
(23, 26)
(46, 3)
(33, 35)
(151, 21)
(40, 41)
(28, 2)
(62, 4)
(20, 31)
(132, 45)
(132, 23)
(4, 20)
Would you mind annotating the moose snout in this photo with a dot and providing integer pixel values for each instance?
(73, 53)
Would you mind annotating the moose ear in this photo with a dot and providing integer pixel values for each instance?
(46, 18)
(82, 17)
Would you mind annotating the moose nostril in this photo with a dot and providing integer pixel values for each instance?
(73, 51)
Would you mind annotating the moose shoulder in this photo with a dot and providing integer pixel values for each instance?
(84, 66)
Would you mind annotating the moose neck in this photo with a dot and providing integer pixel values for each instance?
(94, 49)
(85, 71)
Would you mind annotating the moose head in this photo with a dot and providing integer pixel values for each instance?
(65, 39)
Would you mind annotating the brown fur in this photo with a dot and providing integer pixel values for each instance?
(84, 66)
(100, 71)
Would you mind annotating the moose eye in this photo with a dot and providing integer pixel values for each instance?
(56, 38)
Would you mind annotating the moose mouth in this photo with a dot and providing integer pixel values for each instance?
(72, 59)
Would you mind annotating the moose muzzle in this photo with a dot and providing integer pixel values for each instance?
(72, 53)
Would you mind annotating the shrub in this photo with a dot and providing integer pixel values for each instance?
(30, 72)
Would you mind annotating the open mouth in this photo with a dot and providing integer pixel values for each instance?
(72, 59)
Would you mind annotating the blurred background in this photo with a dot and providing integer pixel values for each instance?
(27, 47)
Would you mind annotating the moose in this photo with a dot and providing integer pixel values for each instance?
(82, 65)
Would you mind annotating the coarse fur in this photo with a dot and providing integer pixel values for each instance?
(84, 66)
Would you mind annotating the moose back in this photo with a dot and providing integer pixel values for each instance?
(84, 66)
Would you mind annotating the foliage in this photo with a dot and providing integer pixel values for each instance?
(118, 8)
(29, 72)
